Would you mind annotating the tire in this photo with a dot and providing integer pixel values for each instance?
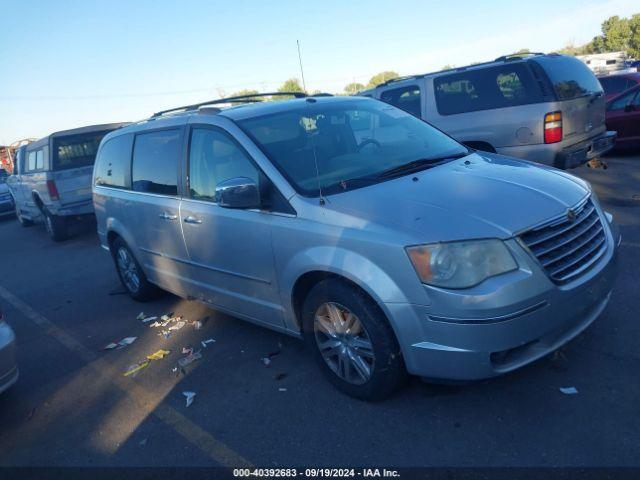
(23, 221)
(56, 226)
(345, 355)
(131, 274)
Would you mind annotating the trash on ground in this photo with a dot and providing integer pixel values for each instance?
(190, 396)
(177, 325)
(126, 341)
(143, 442)
(187, 350)
(189, 359)
(141, 316)
(266, 360)
(569, 390)
(159, 355)
(148, 319)
(165, 334)
(282, 389)
(134, 369)
(166, 316)
(110, 346)
(207, 342)
(198, 324)
(279, 376)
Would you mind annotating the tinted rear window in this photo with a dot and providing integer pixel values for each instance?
(114, 162)
(487, 88)
(76, 150)
(406, 98)
(155, 162)
(569, 76)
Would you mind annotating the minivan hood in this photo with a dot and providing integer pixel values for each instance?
(482, 195)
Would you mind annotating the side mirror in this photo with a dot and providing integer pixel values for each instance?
(239, 192)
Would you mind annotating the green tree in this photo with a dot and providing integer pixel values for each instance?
(353, 88)
(291, 85)
(381, 77)
(618, 34)
(244, 92)
(448, 66)
(634, 40)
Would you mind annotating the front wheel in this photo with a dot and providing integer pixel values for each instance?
(56, 226)
(352, 341)
(131, 274)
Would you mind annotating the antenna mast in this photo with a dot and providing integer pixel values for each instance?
(304, 86)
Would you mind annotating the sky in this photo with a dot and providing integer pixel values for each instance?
(67, 64)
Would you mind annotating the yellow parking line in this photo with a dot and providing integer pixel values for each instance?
(194, 434)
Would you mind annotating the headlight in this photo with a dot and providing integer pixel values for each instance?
(460, 264)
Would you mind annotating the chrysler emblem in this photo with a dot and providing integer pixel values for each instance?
(571, 215)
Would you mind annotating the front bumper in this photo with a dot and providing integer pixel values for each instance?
(576, 155)
(8, 365)
(503, 324)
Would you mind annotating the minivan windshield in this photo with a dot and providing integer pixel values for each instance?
(569, 76)
(76, 151)
(338, 146)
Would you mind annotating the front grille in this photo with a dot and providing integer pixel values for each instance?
(567, 248)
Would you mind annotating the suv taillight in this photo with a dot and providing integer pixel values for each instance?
(53, 190)
(553, 127)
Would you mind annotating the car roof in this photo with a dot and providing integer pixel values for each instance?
(75, 131)
(259, 109)
(623, 74)
(515, 58)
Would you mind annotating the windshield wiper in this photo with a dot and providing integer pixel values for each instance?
(419, 164)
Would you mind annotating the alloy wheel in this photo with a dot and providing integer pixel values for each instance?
(128, 270)
(344, 343)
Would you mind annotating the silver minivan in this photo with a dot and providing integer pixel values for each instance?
(385, 244)
(544, 108)
(52, 177)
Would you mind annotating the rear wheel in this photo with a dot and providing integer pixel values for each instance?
(352, 341)
(56, 226)
(131, 274)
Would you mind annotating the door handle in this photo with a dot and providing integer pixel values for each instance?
(167, 216)
(192, 219)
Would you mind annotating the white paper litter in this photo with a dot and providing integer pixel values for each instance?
(569, 390)
(190, 396)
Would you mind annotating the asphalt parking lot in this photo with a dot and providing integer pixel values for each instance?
(73, 407)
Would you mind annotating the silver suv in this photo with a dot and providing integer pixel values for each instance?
(385, 244)
(544, 108)
(52, 177)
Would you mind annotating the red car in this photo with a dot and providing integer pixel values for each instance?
(614, 85)
(623, 116)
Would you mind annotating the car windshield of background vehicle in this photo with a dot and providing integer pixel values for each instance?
(344, 145)
(569, 76)
(76, 150)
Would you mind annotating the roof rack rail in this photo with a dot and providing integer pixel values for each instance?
(515, 56)
(238, 98)
(398, 79)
